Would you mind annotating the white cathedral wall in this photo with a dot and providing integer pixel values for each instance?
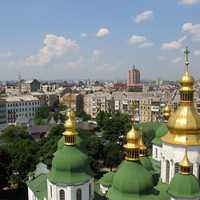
(174, 154)
(31, 195)
(156, 154)
(70, 190)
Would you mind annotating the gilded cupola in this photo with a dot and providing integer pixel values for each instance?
(184, 124)
(185, 164)
(166, 112)
(70, 129)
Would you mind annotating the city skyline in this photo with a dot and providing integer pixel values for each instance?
(98, 40)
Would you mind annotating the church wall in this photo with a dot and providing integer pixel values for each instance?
(172, 154)
(70, 190)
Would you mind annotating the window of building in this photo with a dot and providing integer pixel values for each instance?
(167, 170)
(156, 152)
(90, 190)
(62, 195)
(176, 168)
(50, 190)
(78, 194)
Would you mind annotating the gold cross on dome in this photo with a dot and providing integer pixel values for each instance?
(187, 52)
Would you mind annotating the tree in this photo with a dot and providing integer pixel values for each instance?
(48, 145)
(5, 160)
(112, 154)
(115, 126)
(101, 118)
(83, 115)
(43, 112)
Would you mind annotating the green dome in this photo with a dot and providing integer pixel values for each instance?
(60, 143)
(161, 131)
(146, 163)
(107, 179)
(184, 186)
(69, 165)
(132, 177)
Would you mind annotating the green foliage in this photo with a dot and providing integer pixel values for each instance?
(83, 115)
(114, 126)
(48, 145)
(101, 118)
(112, 154)
(13, 133)
(5, 160)
(18, 153)
(43, 112)
(132, 89)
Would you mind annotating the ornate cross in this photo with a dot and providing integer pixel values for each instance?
(187, 52)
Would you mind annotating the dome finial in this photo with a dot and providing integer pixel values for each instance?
(187, 52)
(70, 129)
(142, 146)
(185, 164)
(132, 147)
(166, 112)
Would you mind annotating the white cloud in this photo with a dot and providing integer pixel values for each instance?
(176, 44)
(137, 39)
(102, 32)
(197, 53)
(189, 2)
(74, 64)
(84, 35)
(54, 46)
(140, 41)
(176, 60)
(146, 44)
(192, 29)
(144, 16)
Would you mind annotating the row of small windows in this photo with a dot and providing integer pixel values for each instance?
(22, 109)
(24, 104)
(78, 193)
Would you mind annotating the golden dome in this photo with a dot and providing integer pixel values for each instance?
(184, 124)
(185, 164)
(132, 146)
(132, 138)
(166, 112)
(70, 129)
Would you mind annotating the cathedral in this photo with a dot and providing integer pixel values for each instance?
(171, 173)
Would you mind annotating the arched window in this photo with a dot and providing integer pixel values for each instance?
(167, 170)
(90, 190)
(51, 191)
(78, 194)
(62, 195)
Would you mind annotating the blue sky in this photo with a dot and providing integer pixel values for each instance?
(74, 39)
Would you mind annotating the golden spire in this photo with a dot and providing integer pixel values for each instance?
(166, 112)
(143, 147)
(70, 129)
(132, 145)
(184, 124)
(185, 164)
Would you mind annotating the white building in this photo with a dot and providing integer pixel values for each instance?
(21, 109)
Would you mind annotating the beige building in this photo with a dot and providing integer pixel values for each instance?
(148, 106)
(133, 77)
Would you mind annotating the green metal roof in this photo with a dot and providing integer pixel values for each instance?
(39, 186)
(184, 186)
(146, 163)
(69, 166)
(107, 179)
(131, 178)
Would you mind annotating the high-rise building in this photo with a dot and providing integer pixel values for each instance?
(133, 76)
